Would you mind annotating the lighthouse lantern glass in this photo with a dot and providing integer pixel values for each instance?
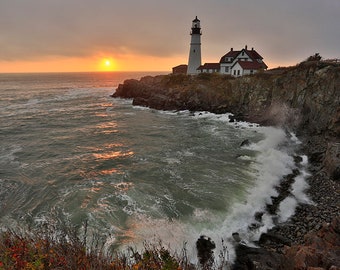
(196, 24)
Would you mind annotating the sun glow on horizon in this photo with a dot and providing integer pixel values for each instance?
(103, 62)
(108, 64)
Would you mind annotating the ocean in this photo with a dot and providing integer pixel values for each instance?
(71, 154)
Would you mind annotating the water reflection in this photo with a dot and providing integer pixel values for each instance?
(110, 171)
(107, 125)
(123, 186)
(101, 114)
(106, 105)
(107, 128)
(113, 155)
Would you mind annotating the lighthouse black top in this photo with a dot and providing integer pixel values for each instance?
(196, 28)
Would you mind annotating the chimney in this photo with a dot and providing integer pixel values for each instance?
(231, 49)
(252, 48)
(246, 47)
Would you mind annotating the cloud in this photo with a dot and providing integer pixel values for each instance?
(39, 29)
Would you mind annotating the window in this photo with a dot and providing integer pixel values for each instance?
(234, 72)
(251, 71)
(238, 72)
(226, 69)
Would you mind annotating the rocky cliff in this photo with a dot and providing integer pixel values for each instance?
(304, 98)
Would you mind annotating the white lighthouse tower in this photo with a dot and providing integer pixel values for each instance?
(195, 47)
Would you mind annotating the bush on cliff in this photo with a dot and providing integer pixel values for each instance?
(38, 251)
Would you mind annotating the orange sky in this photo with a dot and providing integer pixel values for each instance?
(102, 62)
(109, 62)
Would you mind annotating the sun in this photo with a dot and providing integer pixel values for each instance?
(107, 64)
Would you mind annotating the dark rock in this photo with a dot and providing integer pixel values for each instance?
(269, 237)
(254, 226)
(139, 101)
(205, 253)
(236, 237)
(258, 216)
(316, 157)
(336, 174)
(232, 118)
(245, 143)
(257, 258)
(297, 159)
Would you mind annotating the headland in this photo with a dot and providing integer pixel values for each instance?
(304, 99)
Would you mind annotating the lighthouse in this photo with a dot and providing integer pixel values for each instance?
(195, 47)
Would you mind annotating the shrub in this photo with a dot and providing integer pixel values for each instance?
(63, 249)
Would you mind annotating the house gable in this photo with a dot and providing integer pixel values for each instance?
(238, 63)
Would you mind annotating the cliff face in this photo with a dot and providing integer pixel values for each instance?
(304, 98)
(308, 94)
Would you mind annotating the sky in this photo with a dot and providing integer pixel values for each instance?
(154, 35)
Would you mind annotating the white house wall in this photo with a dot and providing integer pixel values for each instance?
(237, 70)
(223, 66)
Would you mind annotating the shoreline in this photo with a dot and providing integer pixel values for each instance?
(290, 99)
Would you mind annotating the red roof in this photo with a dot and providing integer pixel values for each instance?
(209, 66)
(181, 66)
(231, 54)
(254, 55)
(252, 65)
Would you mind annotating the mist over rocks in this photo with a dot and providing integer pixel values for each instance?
(304, 99)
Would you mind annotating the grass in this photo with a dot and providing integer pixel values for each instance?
(45, 252)
(48, 249)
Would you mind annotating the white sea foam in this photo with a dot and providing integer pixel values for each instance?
(287, 208)
(304, 160)
(271, 164)
(294, 138)
(300, 186)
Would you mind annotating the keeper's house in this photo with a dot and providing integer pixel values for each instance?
(236, 63)
(243, 62)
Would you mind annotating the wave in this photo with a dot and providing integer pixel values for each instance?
(273, 160)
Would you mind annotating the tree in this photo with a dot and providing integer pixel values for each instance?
(315, 57)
